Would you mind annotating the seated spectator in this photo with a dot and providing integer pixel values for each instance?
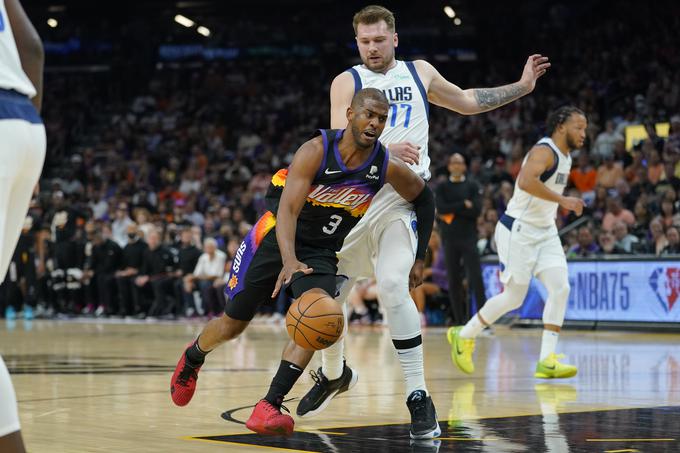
(668, 215)
(486, 243)
(673, 247)
(609, 172)
(157, 271)
(632, 171)
(624, 240)
(655, 170)
(616, 212)
(608, 244)
(657, 240)
(584, 177)
(604, 143)
(209, 269)
(586, 247)
(187, 255)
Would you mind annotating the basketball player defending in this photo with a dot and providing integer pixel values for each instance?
(22, 152)
(528, 244)
(312, 207)
(382, 244)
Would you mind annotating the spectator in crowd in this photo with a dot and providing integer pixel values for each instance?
(209, 269)
(608, 245)
(673, 246)
(657, 240)
(668, 215)
(187, 258)
(129, 298)
(609, 172)
(120, 225)
(624, 240)
(105, 260)
(586, 247)
(605, 141)
(157, 272)
(616, 212)
(458, 205)
(584, 176)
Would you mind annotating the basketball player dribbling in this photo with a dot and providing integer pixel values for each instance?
(312, 207)
(529, 245)
(22, 153)
(382, 244)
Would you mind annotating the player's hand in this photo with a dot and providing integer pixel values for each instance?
(405, 151)
(287, 272)
(535, 67)
(415, 277)
(573, 204)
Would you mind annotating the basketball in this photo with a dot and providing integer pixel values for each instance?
(315, 321)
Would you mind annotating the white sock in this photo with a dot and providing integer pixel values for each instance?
(412, 363)
(473, 327)
(549, 343)
(331, 360)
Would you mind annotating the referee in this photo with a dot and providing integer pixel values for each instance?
(459, 204)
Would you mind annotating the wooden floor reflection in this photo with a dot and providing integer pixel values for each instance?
(103, 387)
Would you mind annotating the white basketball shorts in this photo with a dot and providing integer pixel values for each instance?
(525, 250)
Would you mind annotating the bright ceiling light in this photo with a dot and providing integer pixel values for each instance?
(52, 22)
(203, 30)
(182, 20)
(449, 12)
(457, 21)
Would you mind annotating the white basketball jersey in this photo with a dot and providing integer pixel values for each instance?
(12, 76)
(409, 109)
(534, 210)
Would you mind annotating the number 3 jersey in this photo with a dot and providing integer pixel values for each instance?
(338, 197)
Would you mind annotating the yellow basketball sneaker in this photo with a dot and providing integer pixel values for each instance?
(550, 368)
(461, 350)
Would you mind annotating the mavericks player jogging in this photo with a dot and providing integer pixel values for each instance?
(383, 243)
(312, 207)
(22, 152)
(528, 244)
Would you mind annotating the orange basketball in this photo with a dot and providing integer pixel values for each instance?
(315, 321)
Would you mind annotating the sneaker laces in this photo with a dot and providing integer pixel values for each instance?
(271, 408)
(318, 378)
(187, 372)
(468, 344)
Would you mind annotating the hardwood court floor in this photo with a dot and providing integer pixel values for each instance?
(104, 387)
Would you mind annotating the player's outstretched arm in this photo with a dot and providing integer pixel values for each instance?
(477, 100)
(412, 188)
(541, 159)
(342, 92)
(29, 45)
(301, 173)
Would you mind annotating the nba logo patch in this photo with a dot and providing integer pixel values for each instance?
(666, 285)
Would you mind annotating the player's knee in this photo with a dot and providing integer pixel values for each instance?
(392, 291)
(559, 291)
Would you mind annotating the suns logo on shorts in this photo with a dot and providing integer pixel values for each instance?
(233, 281)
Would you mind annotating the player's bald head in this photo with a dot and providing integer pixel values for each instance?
(361, 96)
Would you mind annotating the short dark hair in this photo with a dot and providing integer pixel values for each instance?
(368, 93)
(560, 116)
(372, 14)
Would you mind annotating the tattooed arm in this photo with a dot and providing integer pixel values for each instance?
(476, 100)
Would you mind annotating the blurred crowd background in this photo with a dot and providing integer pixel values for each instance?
(162, 142)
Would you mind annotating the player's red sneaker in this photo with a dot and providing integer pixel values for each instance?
(183, 383)
(268, 419)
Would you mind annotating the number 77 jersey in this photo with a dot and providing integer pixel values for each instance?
(338, 197)
(408, 118)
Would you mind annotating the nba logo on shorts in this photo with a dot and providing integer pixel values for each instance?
(666, 285)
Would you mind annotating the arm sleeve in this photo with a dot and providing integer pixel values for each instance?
(424, 207)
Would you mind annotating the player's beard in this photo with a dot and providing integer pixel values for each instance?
(382, 65)
(572, 143)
